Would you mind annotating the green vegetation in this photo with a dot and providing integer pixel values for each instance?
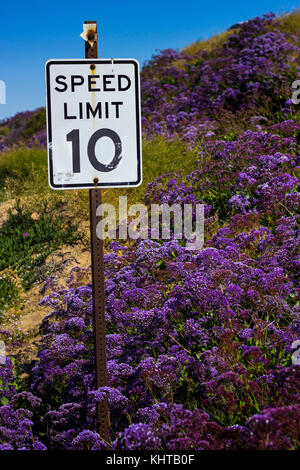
(160, 156)
(22, 170)
(4, 131)
(35, 123)
(26, 241)
(290, 23)
(23, 173)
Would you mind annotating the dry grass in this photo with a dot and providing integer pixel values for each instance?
(290, 22)
(208, 44)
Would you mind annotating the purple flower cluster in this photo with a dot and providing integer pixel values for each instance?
(199, 352)
(17, 412)
(188, 95)
(26, 128)
(255, 174)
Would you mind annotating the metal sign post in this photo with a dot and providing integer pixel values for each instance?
(88, 99)
(91, 51)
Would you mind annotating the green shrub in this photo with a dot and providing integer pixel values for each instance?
(25, 243)
(35, 123)
(9, 292)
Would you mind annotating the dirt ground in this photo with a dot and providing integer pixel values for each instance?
(4, 207)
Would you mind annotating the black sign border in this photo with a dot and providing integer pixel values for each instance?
(49, 124)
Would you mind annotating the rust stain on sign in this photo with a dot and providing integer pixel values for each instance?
(93, 93)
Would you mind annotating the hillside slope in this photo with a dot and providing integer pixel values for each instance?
(201, 345)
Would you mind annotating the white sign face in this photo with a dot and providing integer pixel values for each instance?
(93, 123)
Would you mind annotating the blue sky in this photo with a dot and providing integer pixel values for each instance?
(32, 32)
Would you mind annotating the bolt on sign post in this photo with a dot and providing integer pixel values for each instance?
(94, 141)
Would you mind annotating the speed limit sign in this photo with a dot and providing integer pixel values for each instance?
(93, 123)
